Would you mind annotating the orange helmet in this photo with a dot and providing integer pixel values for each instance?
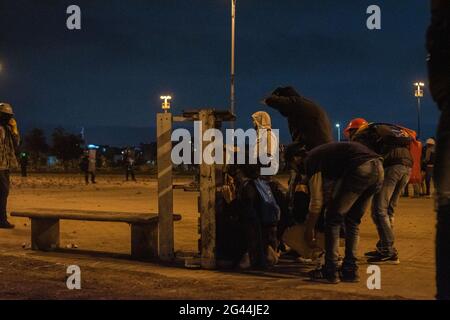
(355, 124)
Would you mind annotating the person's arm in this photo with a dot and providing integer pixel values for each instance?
(14, 132)
(315, 207)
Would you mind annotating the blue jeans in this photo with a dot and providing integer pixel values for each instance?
(351, 199)
(396, 178)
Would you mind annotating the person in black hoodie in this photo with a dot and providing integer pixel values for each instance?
(308, 122)
(438, 46)
(309, 127)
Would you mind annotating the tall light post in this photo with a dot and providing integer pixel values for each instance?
(338, 126)
(233, 45)
(418, 92)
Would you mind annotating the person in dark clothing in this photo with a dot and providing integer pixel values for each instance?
(308, 122)
(9, 141)
(429, 155)
(438, 46)
(129, 165)
(24, 164)
(85, 165)
(357, 173)
(309, 127)
(392, 143)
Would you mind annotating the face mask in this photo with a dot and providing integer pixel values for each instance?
(4, 118)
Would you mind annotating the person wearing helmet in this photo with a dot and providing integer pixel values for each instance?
(392, 143)
(354, 126)
(9, 141)
(438, 46)
(428, 163)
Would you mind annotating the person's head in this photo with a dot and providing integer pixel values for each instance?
(431, 142)
(295, 156)
(6, 112)
(288, 91)
(353, 126)
(261, 120)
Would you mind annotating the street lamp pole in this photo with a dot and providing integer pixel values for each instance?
(338, 126)
(419, 94)
(233, 44)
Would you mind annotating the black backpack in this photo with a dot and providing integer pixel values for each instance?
(381, 137)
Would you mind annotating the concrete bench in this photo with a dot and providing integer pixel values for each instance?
(144, 228)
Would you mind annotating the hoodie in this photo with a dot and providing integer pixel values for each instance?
(308, 122)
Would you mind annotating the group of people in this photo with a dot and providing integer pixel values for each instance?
(88, 165)
(330, 187)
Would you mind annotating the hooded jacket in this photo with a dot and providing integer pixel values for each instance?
(308, 122)
(8, 144)
(262, 122)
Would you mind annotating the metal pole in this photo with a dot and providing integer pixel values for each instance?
(339, 133)
(418, 119)
(233, 41)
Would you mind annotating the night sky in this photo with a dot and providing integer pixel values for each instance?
(128, 53)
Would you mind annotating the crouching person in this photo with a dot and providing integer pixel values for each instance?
(358, 174)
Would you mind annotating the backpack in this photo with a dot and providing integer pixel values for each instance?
(270, 211)
(383, 136)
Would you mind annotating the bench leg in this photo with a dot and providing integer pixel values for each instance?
(44, 234)
(144, 241)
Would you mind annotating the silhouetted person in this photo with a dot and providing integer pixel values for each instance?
(438, 45)
(9, 141)
(129, 165)
(86, 168)
(24, 164)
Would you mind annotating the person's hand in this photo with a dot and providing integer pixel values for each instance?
(309, 238)
(13, 126)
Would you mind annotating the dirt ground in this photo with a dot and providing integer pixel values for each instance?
(107, 273)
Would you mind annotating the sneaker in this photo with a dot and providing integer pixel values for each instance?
(245, 263)
(372, 253)
(384, 259)
(6, 225)
(324, 276)
(350, 275)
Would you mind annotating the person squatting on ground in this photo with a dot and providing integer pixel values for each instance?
(357, 173)
(392, 143)
(438, 46)
(251, 211)
(9, 142)
(251, 214)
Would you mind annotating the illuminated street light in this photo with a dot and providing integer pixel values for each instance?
(166, 103)
(338, 126)
(418, 93)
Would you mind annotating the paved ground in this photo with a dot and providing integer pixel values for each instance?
(107, 273)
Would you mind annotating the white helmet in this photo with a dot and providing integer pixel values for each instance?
(431, 141)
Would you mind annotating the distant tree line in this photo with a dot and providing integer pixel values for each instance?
(66, 146)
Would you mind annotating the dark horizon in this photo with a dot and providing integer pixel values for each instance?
(112, 72)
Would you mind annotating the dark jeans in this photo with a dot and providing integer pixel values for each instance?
(351, 199)
(130, 171)
(428, 177)
(438, 43)
(4, 192)
(86, 176)
(396, 177)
